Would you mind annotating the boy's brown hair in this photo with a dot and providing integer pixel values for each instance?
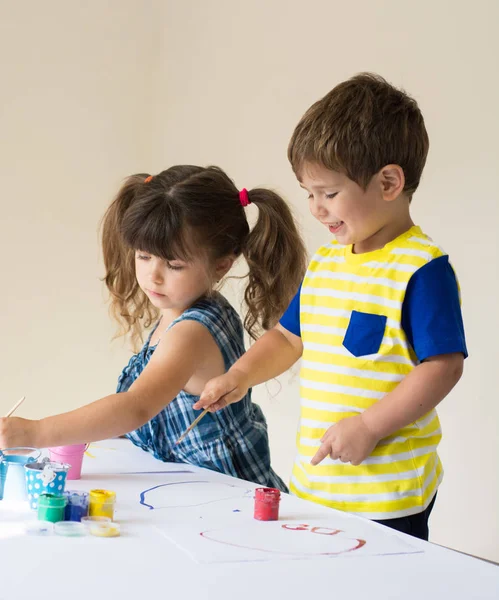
(360, 126)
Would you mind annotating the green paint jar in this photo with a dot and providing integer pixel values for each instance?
(51, 508)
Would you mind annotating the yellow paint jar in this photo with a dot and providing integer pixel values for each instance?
(101, 503)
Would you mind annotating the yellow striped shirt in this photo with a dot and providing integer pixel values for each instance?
(345, 370)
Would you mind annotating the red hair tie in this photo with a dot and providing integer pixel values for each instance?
(148, 179)
(244, 198)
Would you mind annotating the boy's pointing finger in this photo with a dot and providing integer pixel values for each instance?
(321, 454)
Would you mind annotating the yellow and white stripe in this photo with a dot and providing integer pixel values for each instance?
(404, 471)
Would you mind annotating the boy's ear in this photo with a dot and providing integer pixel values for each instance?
(392, 181)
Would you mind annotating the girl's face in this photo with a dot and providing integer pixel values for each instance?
(172, 285)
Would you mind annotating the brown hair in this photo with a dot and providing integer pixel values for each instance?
(360, 126)
(162, 215)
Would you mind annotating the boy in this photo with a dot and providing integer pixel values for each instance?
(377, 320)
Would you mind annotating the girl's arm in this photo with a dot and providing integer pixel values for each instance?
(187, 349)
(274, 353)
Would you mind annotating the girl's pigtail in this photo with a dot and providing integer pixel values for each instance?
(277, 260)
(128, 304)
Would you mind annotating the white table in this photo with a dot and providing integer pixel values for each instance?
(143, 563)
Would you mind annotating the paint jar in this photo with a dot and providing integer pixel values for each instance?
(267, 504)
(77, 506)
(12, 480)
(45, 477)
(102, 503)
(71, 455)
(51, 508)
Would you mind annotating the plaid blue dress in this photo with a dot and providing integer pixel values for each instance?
(233, 440)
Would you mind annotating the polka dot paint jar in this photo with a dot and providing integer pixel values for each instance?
(45, 477)
(12, 478)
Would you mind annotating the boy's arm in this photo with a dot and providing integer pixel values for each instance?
(274, 353)
(354, 438)
(433, 324)
(421, 391)
(162, 379)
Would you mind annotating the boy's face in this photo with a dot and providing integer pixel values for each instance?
(354, 215)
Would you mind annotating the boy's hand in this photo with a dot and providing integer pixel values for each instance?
(349, 440)
(16, 432)
(222, 391)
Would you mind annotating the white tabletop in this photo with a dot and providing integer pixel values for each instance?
(150, 559)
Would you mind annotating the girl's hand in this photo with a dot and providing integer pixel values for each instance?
(15, 432)
(223, 390)
(349, 440)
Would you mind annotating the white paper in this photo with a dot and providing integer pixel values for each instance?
(118, 456)
(238, 537)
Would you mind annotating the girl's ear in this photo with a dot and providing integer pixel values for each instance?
(223, 266)
(392, 181)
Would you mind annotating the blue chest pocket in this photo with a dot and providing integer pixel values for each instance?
(364, 333)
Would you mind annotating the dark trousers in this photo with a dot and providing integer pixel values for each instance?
(416, 525)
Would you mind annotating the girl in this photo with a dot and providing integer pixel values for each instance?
(167, 241)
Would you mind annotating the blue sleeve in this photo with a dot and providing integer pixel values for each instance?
(290, 320)
(431, 313)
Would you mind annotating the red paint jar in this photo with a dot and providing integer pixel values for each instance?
(267, 504)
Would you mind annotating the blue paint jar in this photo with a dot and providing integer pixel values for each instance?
(77, 506)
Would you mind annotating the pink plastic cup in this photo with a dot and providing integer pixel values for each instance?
(71, 455)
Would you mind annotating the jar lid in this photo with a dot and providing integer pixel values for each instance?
(70, 529)
(39, 528)
(89, 522)
(105, 530)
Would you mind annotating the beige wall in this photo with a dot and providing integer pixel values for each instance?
(74, 119)
(98, 92)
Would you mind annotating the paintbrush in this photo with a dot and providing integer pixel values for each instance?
(191, 426)
(15, 407)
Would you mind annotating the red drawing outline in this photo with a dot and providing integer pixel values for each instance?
(301, 527)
